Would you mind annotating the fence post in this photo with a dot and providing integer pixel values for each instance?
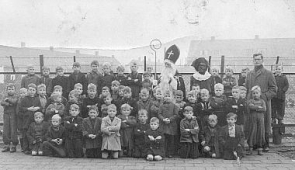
(12, 65)
(222, 66)
(144, 63)
(209, 64)
(41, 63)
(74, 58)
(278, 59)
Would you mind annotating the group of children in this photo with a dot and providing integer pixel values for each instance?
(107, 116)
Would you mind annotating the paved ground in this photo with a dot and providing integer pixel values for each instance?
(269, 161)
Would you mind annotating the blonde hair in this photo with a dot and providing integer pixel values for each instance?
(219, 85)
(256, 88)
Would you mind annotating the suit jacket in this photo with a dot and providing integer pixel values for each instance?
(283, 85)
(211, 136)
(48, 83)
(95, 129)
(192, 135)
(75, 78)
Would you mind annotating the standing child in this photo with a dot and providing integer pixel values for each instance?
(74, 135)
(79, 88)
(157, 102)
(115, 89)
(191, 101)
(203, 108)
(45, 79)
(22, 95)
(242, 77)
(147, 83)
(28, 106)
(41, 91)
(236, 104)
(134, 80)
(110, 127)
(189, 130)
(139, 134)
(218, 103)
(55, 139)
(257, 109)
(58, 90)
(179, 99)
(210, 138)
(94, 76)
(155, 142)
(73, 99)
(228, 81)
(55, 108)
(278, 102)
(77, 77)
(104, 107)
(232, 138)
(128, 99)
(144, 101)
(215, 77)
(168, 114)
(36, 134)
(92, 133)
(197, 90)
(121, 76)
(60, 80)
(9, 104)
(126, 131)
(91, 99)
(105, 91)
(30, 78)
(108, 77)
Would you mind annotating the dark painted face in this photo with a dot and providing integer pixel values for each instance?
(202, 68)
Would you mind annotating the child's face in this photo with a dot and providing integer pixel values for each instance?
(126, 111)
(74, 111)
(38, 118)
(236, 93)
(212, 123)
(79, 89)
(218, 91)
(115, 87)
(178, 98)
(31, 91)
(112, 112)
(188, 114)
(127, 94)
(142, 118)
(31, 71)
(149, 69)
(121, 92)
(256, 94)
(106, 69)
(120, 71)
(167, 97)
(58, 91)
(105, 92)
(73, 98)
(60, 72)
(45, 72)
(214, 72)
(146, 77)
(154, 125)
(91, 93)
(243, 94)
(57, 99)
(278, 70)
(133, 68)
(92, 114)
(196, 89)
(11, 90)
(228, 72)
(108, 100)
(55, 122)
(144, 95)
(159, 95)
(76, 68)
(94, 68)
(42, 91)
(243, 73)
(23, 94)
(205, 97)
(231, 120)
(191, 98)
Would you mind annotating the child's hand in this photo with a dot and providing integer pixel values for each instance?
(234, 106)
(76, 124)
(203, 143)
(124, 121)
(31, 108)
(158, 137)
(260, 107)
(135, 80)
(54, 140)
(68, 122)
(207, 148)
(151, 138)
(129, 78)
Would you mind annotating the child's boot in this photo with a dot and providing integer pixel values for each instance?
(250, 151)
(40, 153)
(149, 157)
(260, 151)
(13, 149)
(34, 153)
(6, 148)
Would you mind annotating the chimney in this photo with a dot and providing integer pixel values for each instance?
(23, 44)
(212, 38)
(256, 37)
(96, 53)
(51, 48)
(77, 51)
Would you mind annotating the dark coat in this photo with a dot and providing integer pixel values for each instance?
(135, 86)
(192, 135)
(211, 136)
(131, 101)
(155, 108)
(28, 79)
(73, 126)
(48, 83)
(169, 110)
(63, 82)
(52, 134)
(28, 116)
(75, 78)
(122, 79)
(215, 80)
(203, 111)
(95, 78)
(205, 84)
(139, 134)
(87, 102)
(107, 80)
(31, 133)
(155, 147)
(242, 81)
(180, 84)
(229, 83)
(126, 131)
(145, 105)
(9, 104)
(238, 107)
(95, 129)
(59, 109)
(283, 85)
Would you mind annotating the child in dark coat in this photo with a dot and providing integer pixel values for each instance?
(90, 100)
(30, 78)
(189, 130)
(145, 101)
(36, 134)
(77, 77)
(157, 102)
(107, 77)
(229, 81)
(56, 108)
(126, 131)
(60, 80)
(155, 142)
(9, 104)
(92, 133)
(41, 91)
(139, 134)
(55, 139)
(121, 76)
(45, 79)
(203, 109)
(236, 105)
(218, 104)
(74, 135)
(168, 114)
(134, 80)
(242, 77)
(94, 76)
(22, 94)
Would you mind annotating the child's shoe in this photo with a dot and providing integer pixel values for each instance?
(158, 158)
(6, 148)
(260, 151)
(250, 152)
(34, 153)
(149, 158)
(213, 155)
(13, 149)
(27, 152)
(40, 153)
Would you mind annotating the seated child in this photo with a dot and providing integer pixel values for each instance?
(229, 81)
(115, 89)
(144, 101)
(55, 139)
(126, 131)
(9, 104)
(232, 138)
(90, 100)
(218, 103)
(168, 114)
(74, 135)
(139, 134)
(36, 134)
(56, 108)
(189, 130)
(110, 127)
(92, 133)
(210, 138)
(236, 105)
(157, 102)
(155, 142)
(41, 91)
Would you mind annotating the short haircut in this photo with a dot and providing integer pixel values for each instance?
(56, 117)
(41, 86)
(219, 85)
(94, 62)
(93, 107)
(38, 114)
(78, 85)
(57, 87)
(144, 90)
(245, 69)
(54, 96)
(215, 68)
(112, 106)
(115, 82)
(143, 111)
(212, 117)
(45, 68)
(106, 64)
(23, 90)
(75, 106)
(76, 64)
(242, 88)
(179, 93)
(231, 114)
(59, 68)
(229, 68)
(120, 68)
(74, 93)
(196, 85)
(121, 87)
(191, 93)
(256, 88)
(91, 86)
(157, 89)
(236, 88)
(30, 66)
(133, 63)
(154, 120)
(127, 89)
(167, 92)
(188, 108)
(105, 88)
(146, 74)
(257, 54)
(204, 91)
(10, 85)
(126, 106)
(32, 85)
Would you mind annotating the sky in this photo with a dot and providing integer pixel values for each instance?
(125, 24)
